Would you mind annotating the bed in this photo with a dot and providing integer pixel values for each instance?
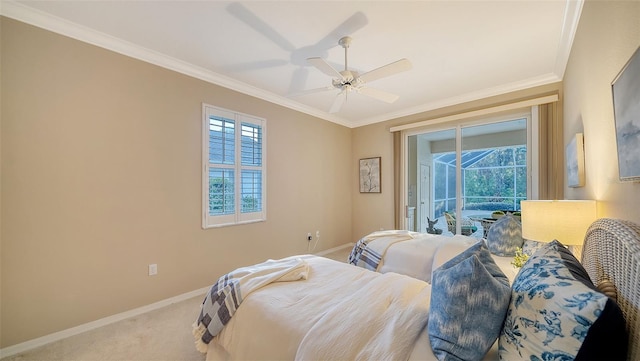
(316, 308)
(414, 254)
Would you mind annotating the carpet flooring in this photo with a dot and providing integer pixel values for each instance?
(163, 334)
(159, 335)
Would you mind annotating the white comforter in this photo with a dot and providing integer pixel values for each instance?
(343, 312)
(418, 254)
(339, 312)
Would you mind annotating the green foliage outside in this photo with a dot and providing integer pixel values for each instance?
(250, 204)
(497, 181)
(221, 198)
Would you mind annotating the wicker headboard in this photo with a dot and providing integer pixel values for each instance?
(612, 253)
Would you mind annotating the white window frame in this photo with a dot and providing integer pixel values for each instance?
(211, 221)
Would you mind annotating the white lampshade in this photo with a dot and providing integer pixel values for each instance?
(566, 220)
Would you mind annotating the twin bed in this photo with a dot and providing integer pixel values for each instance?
(432, 298)
(414, 254)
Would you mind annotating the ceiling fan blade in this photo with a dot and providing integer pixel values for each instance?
(337, 103)
(240, 67)
(354, 23)
(310, 91)
(298, 80)
(324, 67)
(378, 94)
(245, 15)
(386, 70)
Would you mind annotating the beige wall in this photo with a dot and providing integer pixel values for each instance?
(101, 175)
(608, 34)
(373, 211)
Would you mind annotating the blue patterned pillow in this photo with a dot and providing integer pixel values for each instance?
(529, 247)
(504, 236)
(556, 313)
(469, 300)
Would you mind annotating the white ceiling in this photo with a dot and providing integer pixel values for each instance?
(460, 50)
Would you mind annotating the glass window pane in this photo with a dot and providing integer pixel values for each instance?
(521, 182)
(221, 192)
(521, 156)
(493, 165)
(221, 140)
(251, 191)
(251, 140)
(451, 182)
(440, 181)
(499, 157)
(495, 155)
(451, 205)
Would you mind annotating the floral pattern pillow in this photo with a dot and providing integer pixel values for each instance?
(529, 247)
(556, 313)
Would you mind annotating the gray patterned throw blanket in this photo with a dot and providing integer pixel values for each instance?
(369, 250)
(226, 295)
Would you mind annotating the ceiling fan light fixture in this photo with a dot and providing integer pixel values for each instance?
(347, 80)
(345, 41)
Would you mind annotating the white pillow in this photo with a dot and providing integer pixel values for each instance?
(451, 248)
(413, 257)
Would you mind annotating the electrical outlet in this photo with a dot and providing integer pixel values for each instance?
(153, 269)
(317, 234)
(309, 237)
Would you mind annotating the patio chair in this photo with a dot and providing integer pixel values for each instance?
(467, 227)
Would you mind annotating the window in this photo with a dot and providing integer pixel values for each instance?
(234, 168)
(469, 168)
(492, 179)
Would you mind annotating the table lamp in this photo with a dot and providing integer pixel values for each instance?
(564, 220)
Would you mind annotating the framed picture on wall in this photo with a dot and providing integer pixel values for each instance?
(626, 109)
(575, 161)
(370, 175)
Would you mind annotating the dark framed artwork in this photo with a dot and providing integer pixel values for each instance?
(626, 109)
(370, 175)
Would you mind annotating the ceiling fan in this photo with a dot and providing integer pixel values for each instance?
(350, 81)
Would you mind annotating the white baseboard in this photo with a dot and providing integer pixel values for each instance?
(327, 251)
(56, 336)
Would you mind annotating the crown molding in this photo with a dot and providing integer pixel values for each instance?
(28, 15)
(464, 98)
(573, 10)
(23, 13)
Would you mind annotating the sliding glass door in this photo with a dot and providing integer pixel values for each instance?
(431, 185)
(458, 179)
